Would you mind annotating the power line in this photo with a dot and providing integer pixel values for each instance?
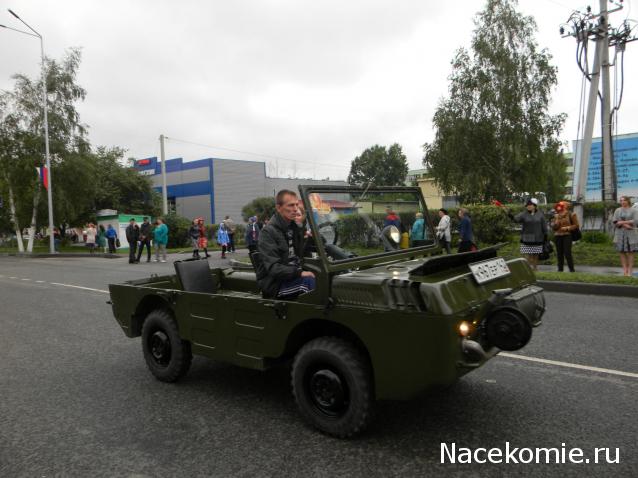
(332, 165)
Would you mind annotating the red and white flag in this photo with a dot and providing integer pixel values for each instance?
(44, 176)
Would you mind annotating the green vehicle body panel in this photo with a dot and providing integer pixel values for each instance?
(405, 318)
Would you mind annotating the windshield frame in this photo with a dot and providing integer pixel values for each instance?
(372, 259)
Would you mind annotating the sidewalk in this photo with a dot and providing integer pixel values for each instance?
(611, 271)
(613, 290)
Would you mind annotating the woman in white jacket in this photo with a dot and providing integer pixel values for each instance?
(443, 230)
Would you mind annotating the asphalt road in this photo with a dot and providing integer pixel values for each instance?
(77, 400)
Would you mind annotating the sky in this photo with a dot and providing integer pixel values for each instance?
(304, 86)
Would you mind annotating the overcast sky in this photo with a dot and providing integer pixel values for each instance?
(317, 82)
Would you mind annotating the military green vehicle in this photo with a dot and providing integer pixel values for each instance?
(390, 317)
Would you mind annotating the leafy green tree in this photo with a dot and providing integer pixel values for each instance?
(120, 187)
(83, 180)
(177, 230)
(494, 135)
(379, 166)
(21, 115)
(263, 208)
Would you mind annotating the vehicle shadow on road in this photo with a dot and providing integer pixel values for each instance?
(437, 416)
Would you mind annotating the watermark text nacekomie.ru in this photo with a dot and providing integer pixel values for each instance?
(451, 453)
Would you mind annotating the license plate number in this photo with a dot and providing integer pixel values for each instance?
(486, 271)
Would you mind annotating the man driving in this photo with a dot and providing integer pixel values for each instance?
(280, 244)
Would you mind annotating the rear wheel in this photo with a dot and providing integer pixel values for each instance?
(167, 356)
(332, 385)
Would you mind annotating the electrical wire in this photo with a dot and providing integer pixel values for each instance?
(332, 165)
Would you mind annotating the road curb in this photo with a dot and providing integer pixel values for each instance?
(60, 254)
(611, 290)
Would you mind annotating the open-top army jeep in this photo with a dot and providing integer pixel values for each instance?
(388, 319)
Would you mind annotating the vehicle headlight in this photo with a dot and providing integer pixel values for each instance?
(464, 328)
(394, 234)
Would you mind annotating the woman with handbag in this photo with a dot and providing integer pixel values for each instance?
(626, 234)
(564, 223)
(534, 232)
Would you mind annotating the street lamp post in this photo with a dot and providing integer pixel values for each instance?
(46, 127)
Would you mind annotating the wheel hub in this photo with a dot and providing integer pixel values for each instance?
(328, 392)
(160, 346)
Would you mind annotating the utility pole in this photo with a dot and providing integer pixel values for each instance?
(608, 180)
(163, 167)
(586, 26)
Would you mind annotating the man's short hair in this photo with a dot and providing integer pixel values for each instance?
(145, 218)
(132, 219)
(279, 199)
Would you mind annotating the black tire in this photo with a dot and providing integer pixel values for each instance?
(332, 385)
(167, 356)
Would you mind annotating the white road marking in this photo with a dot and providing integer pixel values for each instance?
(40, 281)
(569, 365)
(25, 279)
(11, 277)
(80, 287)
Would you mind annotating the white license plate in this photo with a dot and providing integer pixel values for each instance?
(491, 269)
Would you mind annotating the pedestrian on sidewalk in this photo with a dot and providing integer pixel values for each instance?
(252, 234)
(160, 239)
(222, 238)
(132, 236)
(418, 232)
(466, 236)
(145, 240)
(91, 235)
(563, 223)
(443, 232)
(534, 232)
(626, 234)
(193, 234)
(230, 228)
(111, 236)
(56, 239)
(101, 238)
(202, 241)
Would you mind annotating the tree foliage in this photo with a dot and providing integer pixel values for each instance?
(379, 166)
(494, 135)
(263, 208)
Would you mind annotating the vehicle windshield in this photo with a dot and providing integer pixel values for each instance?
(359, 223)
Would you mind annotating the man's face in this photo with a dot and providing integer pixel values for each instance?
(288, 209)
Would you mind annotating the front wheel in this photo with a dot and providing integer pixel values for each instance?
(167, 356)
(332, 385)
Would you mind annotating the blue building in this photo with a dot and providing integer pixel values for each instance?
(214, 187)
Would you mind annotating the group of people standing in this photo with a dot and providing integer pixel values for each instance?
(564, 224)
(225, 237)
(466, 235)
(98, 237)
(139, 237)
